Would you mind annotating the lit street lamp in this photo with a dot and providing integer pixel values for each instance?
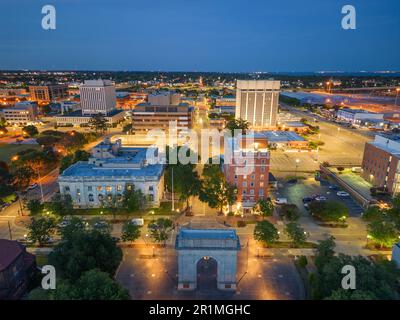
(297, 165)
(397, 95)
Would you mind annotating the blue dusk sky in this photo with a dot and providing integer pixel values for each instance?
(200, 35)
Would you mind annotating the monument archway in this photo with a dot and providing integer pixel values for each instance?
(213, 252)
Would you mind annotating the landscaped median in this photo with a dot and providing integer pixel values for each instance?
(331, 214)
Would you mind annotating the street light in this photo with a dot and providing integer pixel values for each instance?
(297, 164)
(397, 94)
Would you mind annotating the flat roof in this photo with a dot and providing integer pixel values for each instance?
(221, 234)
(276, 136)
(354, 111)
(84, 169)
(78, 113)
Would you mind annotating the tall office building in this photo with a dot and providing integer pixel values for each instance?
(97, 96)
(48, 93)
(257, 102)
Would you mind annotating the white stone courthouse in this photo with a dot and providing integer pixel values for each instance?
(111, 169)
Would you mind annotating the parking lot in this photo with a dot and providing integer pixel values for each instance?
(295, 192)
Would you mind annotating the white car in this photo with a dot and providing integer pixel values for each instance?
(281, 201)
(342, 194)
(32, 186)
(138, 222)
(320, 198)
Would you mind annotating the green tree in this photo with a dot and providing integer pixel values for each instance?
(266, 232)
(130, 231)
(372, 214)
(41, 229)
(296, 233)
(160, 229)
(35, 207)
(22, 176)
(329, 210)
(30, 130)
(98, 123)
(92, 285)
(127, 128)
(383, 233)
(325, 252)
(290, 211)
(60, 204)
(72, 226)
(265, 207)
(133, 199)
(215, 190)
(83, 251)
(237, 124)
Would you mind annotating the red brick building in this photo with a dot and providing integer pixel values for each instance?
(380, 164)
(252, 184)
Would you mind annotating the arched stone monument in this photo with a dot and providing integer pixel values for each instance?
(193, 245)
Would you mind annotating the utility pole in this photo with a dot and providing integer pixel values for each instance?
(9, 229)
(40, 185)
(172, 178)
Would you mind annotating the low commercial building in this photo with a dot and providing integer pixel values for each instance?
(380, 164)
(146, 117)
(17, 268)
(49, 93)
(21, 114)
(356, 116)
(276, 139)
(76, 118)
(112, 169)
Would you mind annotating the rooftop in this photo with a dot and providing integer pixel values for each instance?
(78, 113)
(9, 251)
(207, 239)
(354, 111)
(276, 136)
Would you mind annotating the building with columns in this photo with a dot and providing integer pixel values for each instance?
(257, 102)
(97, 96)
(111, 169)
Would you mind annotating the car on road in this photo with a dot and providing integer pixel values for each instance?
(333, 187)
(320, 198)
(32, 186)
(138, 222)
(307, 199)
(343, 194)
(281, 201)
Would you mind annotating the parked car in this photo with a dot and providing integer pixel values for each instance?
(281, 201)
(333, 187)
(320, 198)
(307, 199)
(343, 194)
(32, 186)
(138, 222)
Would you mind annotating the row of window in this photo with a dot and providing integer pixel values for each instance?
(252, 177)
(251, 192)
(106, 188)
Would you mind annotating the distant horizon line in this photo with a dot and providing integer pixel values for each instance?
(321, 72)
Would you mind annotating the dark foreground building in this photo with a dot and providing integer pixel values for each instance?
(17, 267)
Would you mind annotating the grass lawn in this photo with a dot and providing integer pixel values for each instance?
(9, 199)
(165, 209)
(289, 245)
(41, 259)
(7, 151)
